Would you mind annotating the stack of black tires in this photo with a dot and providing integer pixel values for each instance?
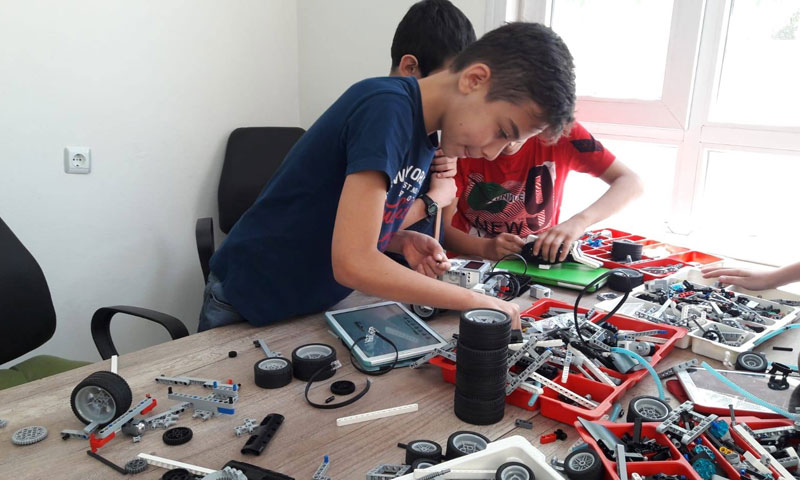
(481, 357)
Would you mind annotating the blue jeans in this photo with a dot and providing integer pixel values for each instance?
(216, 311)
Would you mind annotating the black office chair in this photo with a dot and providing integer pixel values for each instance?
(28, 319)
(252, 157)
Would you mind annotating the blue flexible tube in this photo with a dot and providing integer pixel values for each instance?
(645, 364)
(747, 394)
(614, 415)
(776, 332)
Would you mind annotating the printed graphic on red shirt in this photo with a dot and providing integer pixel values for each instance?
(521, 193)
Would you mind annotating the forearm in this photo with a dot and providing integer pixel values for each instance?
(620, 193)
(784, 275)
(464, 243)
(415, 214)
(377, 275)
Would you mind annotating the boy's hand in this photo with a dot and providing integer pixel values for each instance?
(510, 308)
(443, 167)
(562, 234)
(744, 278)
(502, 245)
(443, 191)
(424, 254)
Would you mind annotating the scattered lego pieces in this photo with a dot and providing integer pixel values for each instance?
(29, 435)
(552, 437)
(523, 423)
(232, 354)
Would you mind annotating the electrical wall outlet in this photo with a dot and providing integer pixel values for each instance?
(77, 159)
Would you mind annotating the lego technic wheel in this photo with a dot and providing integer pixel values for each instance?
(137, 465)
(484, 329)
(178, 474)
(425, 312)
(423, 450)
(463, 443)
(101, 397)
(177, 436)
(649, 409)
(423, 463)
(621, 249)
(583, 464)
(273, 372)
(514, 471)
(752, 362)
(308, 359)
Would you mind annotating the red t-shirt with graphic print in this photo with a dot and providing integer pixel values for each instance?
(521, 193)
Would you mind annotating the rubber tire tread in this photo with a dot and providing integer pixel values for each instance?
(452, 451)
(595, 472)
(273, 378)
(484, 336)
(479, 412)
(114, 384)
(499, 474)
(304, 368)
(413, 455)
(632, 415)
(621, 249)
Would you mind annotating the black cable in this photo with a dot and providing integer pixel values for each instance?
(609, 314)
(525, 262)
(381, 370)
(331, 406)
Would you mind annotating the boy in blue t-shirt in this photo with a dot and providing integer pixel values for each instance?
(319, 228)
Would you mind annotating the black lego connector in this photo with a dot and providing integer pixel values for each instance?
(263, 434)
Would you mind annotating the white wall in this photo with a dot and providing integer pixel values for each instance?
(154, 88)
(344, 41)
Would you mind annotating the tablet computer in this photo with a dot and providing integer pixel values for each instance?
(411, 335)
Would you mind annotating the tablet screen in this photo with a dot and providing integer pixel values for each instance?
(392, 321)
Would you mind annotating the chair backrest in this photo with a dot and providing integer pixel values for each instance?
(27, 316)
(252, 157)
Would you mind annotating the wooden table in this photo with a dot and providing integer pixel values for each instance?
(307, 433)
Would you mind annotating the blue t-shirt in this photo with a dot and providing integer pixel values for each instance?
(276, 261)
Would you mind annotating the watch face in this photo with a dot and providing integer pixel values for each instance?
(432, 209)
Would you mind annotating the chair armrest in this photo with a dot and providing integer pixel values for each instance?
(101, 326)
(204, 236)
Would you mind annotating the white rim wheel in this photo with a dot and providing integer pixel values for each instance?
(273, 364)
(581, 461)
(95, 403)
(468, 443)
(314, 351)
(650, 409)
(486, 316)
(514, 472)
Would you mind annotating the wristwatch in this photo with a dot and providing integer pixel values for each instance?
(431, 207)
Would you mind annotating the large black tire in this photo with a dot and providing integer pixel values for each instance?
(514, 471)
(481, 388)
(307, 359)
(423, 450)
(484, 329)
(463, 443)
(101, 397)
(425, 312)
(479, 412)
(620, 249)
(273, 372)
(177, 474)
(649, 409)
(583, 464)
(752, 362)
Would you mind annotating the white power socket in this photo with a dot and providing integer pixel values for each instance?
(77, 160)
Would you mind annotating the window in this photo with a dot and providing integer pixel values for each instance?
(620, 47)
(761, 65)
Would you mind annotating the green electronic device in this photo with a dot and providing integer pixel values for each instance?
(567, 274)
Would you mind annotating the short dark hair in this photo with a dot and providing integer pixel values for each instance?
(528, 61)
(433, 31)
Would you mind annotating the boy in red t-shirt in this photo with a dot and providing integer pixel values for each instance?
(501, 202)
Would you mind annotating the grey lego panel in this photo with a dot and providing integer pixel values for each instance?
(386, 472)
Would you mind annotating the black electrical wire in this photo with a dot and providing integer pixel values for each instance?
(381, 370)
(331, 406)
(525, 262)
(609, 314)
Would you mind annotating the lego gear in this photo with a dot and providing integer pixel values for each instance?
(583, 464)
(514, 471)
(463, 443)
(484, 329)
(177, 435)
(307, 359)
(273, 372)
(178, 474)
(29, 435)
(649, 409)
(423, 449)
(752, 362)
(343, 387)
(101, 397)
(137, 465)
